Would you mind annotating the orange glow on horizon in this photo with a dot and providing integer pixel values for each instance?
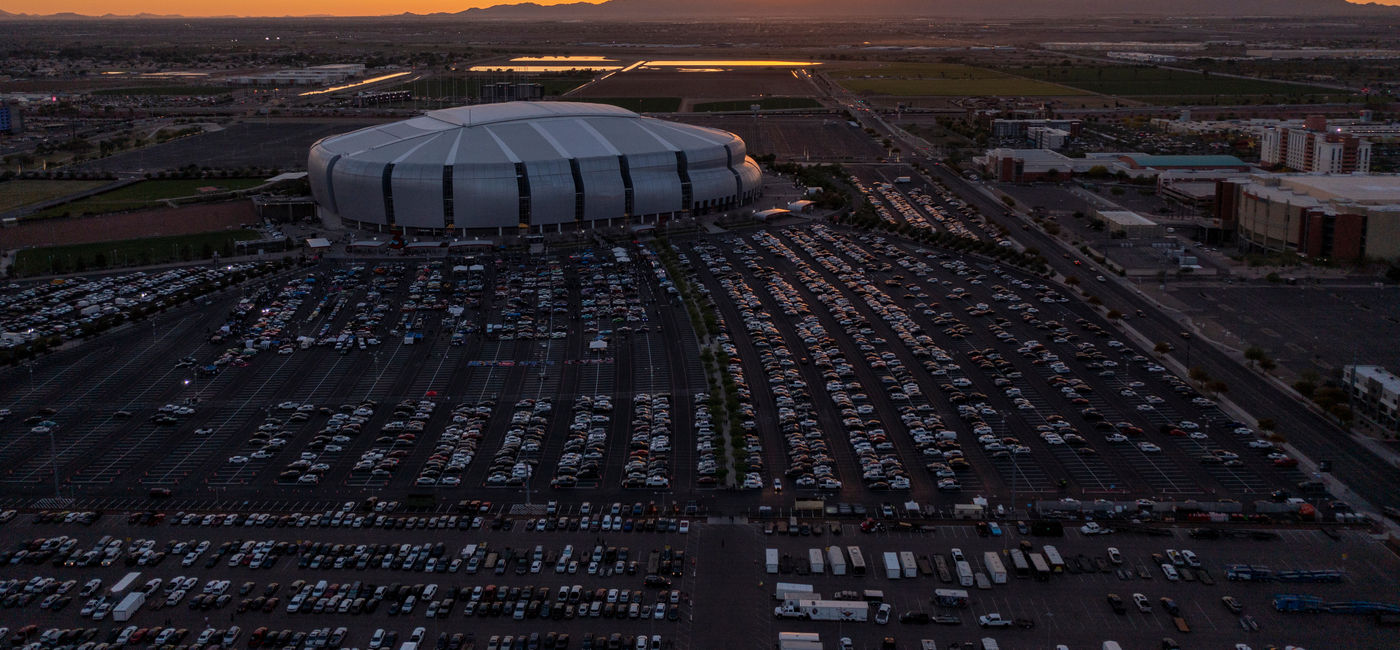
(255, 8)
(277, 8)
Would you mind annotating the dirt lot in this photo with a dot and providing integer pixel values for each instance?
(818, 138)
(130, 225)
(733, 84)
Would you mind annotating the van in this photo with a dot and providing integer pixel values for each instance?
(1170, 571)
(319, 590)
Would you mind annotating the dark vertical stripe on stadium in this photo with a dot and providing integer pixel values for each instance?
(683, 170)
(330, 183)
(522, 186)
(628, 197)
(578, 189)
(738, 180)
(447, 197)
(389, 194)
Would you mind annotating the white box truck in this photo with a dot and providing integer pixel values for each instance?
(1052, 555)
(965, 573)
(792, 590)
(907, 563)
(120, 588)
(995, 567)
(836, 559)
(128, 606)
(891, 560)
(799, 641)
(824, 610)
(771, 556)
(817, 560)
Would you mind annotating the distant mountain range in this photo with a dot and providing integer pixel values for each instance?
(997, 9)
(720, 10)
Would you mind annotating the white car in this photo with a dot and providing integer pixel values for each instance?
(882, 615)
(1149, 447)
(238, 460)
(684, 526)
(1260, 444)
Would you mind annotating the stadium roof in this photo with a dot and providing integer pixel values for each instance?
(520, 132)
(1167, 162)
(1360, 188)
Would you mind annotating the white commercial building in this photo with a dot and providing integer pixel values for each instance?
(1374, 394)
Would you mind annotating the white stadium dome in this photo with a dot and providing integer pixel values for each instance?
(545, 165)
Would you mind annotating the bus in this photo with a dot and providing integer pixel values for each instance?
(1039, 566)
(1019, 563)
(857, 560)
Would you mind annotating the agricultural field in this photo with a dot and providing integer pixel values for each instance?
(146, 194)
(16, 193)
(1134, 80)
(766, 103)
(942, 79)
(128, 252)
(720, 85)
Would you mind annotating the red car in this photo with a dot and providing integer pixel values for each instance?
(1286, 462)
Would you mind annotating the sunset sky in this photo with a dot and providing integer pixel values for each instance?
(267, 7)
(254, 7)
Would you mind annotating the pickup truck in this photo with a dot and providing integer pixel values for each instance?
(995, 620)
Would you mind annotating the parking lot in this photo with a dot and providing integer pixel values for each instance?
(887, 368)
(450, 576)
(983, 383)
(1072, 607)
(1257, 314)
(448, 579)
(479, 399)
(323, 380)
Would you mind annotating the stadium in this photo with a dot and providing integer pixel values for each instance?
(541, 166)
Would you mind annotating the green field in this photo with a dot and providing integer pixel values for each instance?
(165, 90)
(942, 80)
(15, 193)
(128, 252)
(1136, 80)
(145, 194)
(641, 104)
(767, 104)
